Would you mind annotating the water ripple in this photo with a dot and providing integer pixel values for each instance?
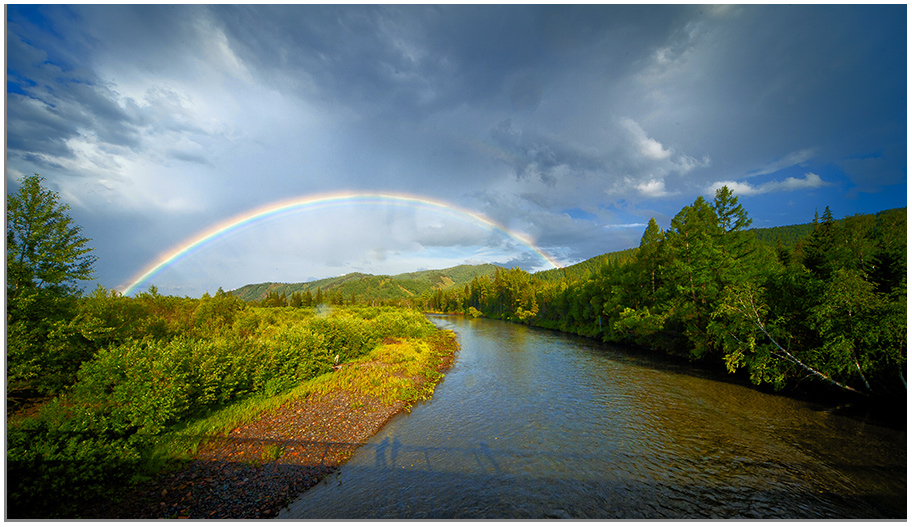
(535, 424)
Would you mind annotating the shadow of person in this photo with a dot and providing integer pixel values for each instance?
(394, 450)
(380, 459)
(486, 452)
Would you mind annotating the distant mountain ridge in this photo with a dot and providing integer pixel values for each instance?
(368, 286)
(406, 285)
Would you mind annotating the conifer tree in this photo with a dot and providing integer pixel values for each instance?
(649, 257)
(46, 256)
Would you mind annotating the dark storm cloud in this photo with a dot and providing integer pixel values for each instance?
(434, 58)
(54, 99)
(755, 83)
(618, 113)
(532, 154)
(52, 103)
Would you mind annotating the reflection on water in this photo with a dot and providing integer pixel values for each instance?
(536, 424)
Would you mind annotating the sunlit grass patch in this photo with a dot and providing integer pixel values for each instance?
(401, 370)
(183, 441)
(398, 371)
(271, 452)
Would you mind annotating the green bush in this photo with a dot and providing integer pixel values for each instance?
(165, 362)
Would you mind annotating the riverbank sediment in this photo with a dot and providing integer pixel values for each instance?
(258, 468)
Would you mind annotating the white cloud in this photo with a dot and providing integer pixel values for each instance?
(809, 181)
(795, 158)
(687, 163)
(647, 146)
(624, 226)
(654, 188)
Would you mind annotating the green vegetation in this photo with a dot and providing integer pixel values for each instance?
(45, 257)
(388, 372)
(824, 301)
(357, 288)
(129, 385)
(829, 307)
(135, 403)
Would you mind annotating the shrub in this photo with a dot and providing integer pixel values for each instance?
(182, 360)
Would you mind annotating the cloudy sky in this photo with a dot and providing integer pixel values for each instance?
(570, 126)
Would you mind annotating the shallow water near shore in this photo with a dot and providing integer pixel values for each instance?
(537, 424)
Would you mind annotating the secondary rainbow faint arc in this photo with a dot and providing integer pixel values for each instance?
(311, 202)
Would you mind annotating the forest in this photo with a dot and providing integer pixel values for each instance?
(828, 307)
(820, 305)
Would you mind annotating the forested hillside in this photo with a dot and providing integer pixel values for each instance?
(411, 288)
(586, 268)
(361, 288)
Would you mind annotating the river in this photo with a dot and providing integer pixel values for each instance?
(532, 423)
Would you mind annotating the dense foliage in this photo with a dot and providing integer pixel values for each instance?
(126, 374)
(160, 362)
(830, 306)
(360, 288)
(45, 258)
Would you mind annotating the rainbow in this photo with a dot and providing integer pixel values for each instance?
(315, 202)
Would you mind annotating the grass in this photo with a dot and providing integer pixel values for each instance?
(182, 442)
(399, 371)
(147, 402)
(402, 371)
(271, 452)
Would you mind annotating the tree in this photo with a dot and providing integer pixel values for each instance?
(890, 233)
(863, 334)
(732, 216)
(707, 248)
(691, 252)
(649, 256)
(822, 246)
(739, 256)
(44, 248)
(46, 256)
(691, 274)
(834, 314)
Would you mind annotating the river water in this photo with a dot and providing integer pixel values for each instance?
(532, 423)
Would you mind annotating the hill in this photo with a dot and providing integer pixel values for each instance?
(407, 285)
(789, 235)
(587, 267)
(368, 287)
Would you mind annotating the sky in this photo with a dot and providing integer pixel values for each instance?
(533, 129)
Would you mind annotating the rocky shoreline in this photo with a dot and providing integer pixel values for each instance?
(259, 468)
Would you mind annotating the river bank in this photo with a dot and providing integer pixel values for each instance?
(536, 424)
(259, 467)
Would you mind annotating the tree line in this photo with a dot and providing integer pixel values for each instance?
(305, 299)
(830, 307)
